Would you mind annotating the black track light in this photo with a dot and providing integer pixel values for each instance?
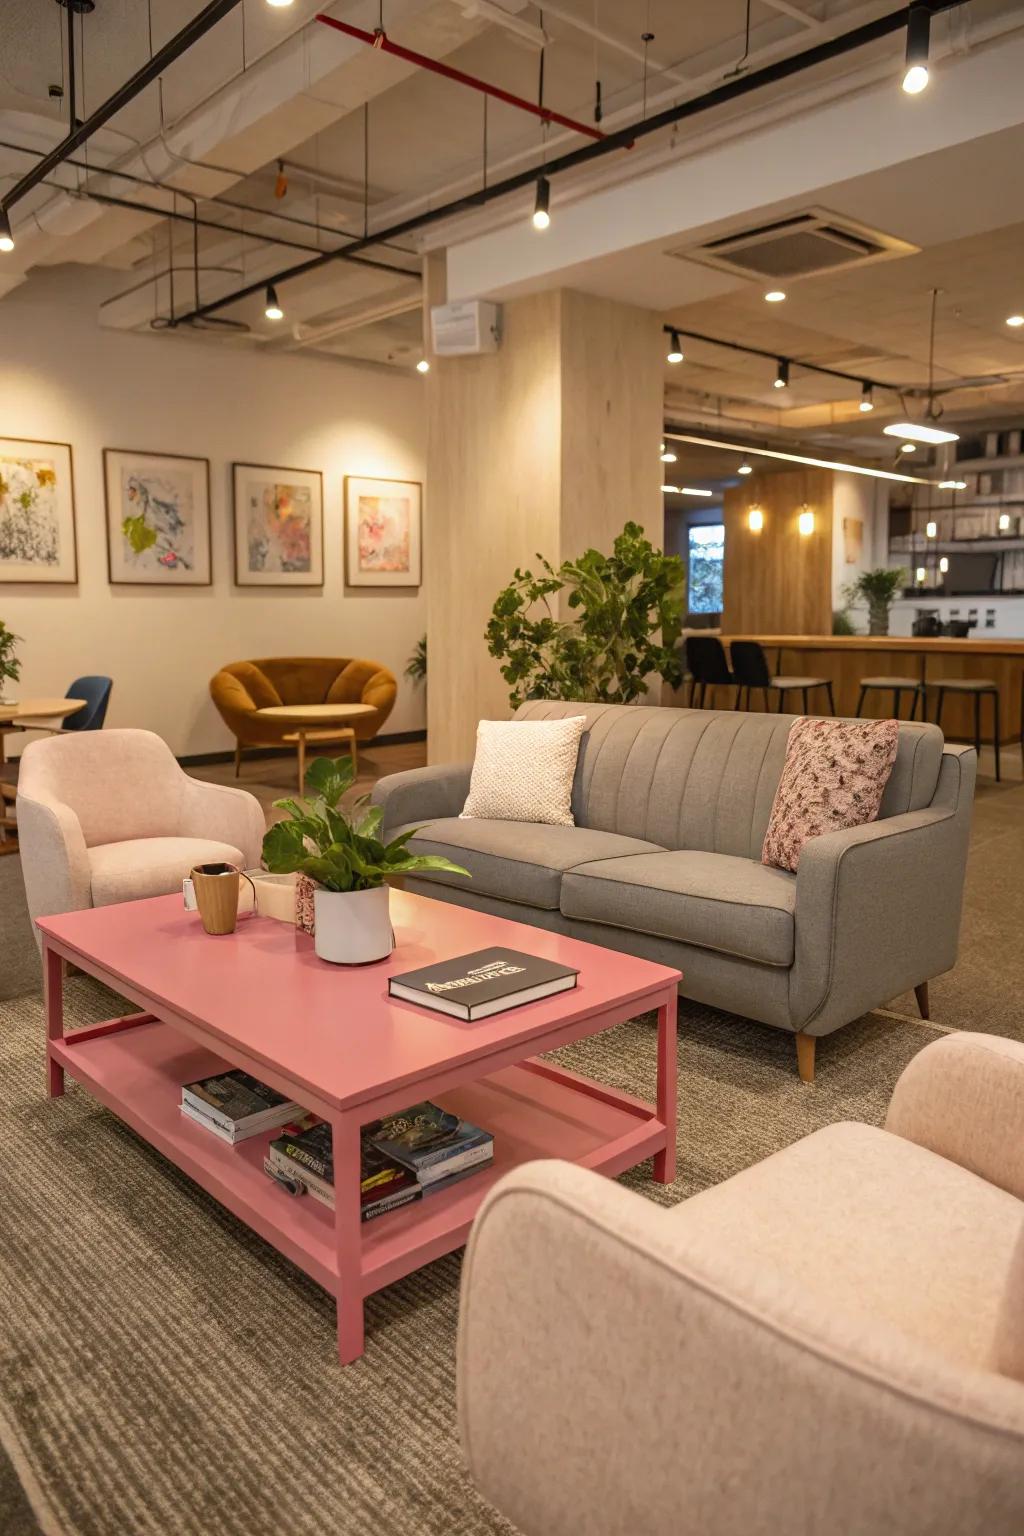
(675, 351)
(6, 238)
(782, 373)
(541, 216)
(272, 308)
(919, 23)
(867, 397)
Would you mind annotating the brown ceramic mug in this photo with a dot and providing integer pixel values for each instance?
(216, 889)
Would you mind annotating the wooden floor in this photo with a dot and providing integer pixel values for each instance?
(271, 778)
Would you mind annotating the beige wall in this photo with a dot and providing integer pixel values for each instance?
(549, 444)
(65, 379)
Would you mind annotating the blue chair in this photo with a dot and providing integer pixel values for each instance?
(96, 693)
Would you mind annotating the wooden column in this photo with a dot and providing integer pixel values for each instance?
(779, 581)
(549, 444)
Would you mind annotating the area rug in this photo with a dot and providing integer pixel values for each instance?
(162, 1370)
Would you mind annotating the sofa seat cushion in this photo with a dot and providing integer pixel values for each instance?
(151, 866)
(519, 861)
(714, 900)
(882, 1230)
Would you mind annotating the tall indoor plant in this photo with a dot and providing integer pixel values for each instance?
(625, 620)
(10, 666)
(341, 853)
(879, 589)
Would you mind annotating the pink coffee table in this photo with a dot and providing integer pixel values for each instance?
(331, 1038)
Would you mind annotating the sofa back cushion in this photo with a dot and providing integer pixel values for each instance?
(695, 778)
(302, 679)
(244, 686)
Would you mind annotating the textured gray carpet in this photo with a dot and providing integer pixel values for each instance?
(166, 1371)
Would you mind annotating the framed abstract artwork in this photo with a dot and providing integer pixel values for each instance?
(279, 526)
(158, 518)
(382, 532)
(37, 512)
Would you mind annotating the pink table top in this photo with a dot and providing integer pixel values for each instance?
(334, 1028)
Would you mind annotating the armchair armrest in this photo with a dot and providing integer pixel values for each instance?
(226, 814)
(878, 906)
(422, 794)
(54, 859)
(617, 1373)
(963, 1098)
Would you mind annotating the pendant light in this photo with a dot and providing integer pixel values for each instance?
(867, 397)
(675, 351)
(919, 23)
(541, 215)
(781, 380)
(6, 237)
(272, 308)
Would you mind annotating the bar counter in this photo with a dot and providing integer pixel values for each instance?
(845, 659)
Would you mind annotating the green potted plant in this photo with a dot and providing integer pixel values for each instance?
(879, 590)
(10, 666)
(626, 615)
(350, 867)
(416, 668)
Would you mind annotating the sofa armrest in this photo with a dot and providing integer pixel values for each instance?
(422, 794)
(228, 815)
(618, 1373)
(878, 906)
(963, 1098)
(54, 858)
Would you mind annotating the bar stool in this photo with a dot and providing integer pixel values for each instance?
(709, 666)
(751, 670)
(974, 688)
(898, 686)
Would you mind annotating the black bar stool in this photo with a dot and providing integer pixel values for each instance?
(975, 688)
(708, 664)
(751, 670)
(899, 686)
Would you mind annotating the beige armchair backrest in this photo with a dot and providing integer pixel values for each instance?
(120, 784)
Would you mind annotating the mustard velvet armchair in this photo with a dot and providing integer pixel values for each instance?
(241, 688)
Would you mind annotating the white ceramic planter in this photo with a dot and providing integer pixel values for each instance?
(353, 927)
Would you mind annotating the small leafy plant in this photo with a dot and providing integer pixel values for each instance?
(416, 669)
(339, 849)
(878, 589)
(626, 619)
(10, 666)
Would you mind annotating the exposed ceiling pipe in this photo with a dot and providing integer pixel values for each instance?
(388, 309)
(380, 40)
(729, 90)
(610, 41)
(486, 10)
(207, 18)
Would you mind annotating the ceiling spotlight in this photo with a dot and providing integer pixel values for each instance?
(675, 351)
(867, 397)
(541, 216)
(782, 374)
(1015, 320)
(667, 456)
(279, 5)
(6, 238)
(745, 468)
(952, 485)
(930, 530)
(423, 366)
(917, 432)
(908, 448)
(271, 307)
(943, 565)
(755, 519)
(919, 21)
(774, 296)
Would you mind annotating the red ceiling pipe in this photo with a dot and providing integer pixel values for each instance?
(380, 39)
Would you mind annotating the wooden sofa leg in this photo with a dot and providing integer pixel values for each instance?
(238, 759)
(921, 993)
(805, 1056)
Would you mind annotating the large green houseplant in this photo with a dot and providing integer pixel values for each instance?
(341, 852)
(625, 618)
(878, 589)
(10, 666)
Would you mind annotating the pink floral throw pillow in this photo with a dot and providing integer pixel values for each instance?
(834, 777)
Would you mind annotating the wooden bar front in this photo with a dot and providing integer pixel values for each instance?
(845, 659)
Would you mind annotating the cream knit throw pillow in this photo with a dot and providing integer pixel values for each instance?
(523, 770)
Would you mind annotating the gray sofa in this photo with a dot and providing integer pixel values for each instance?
(671, 807)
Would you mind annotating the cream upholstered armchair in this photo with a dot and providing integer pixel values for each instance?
(109, 816)
(831, 1341)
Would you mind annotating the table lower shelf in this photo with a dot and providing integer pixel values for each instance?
(534, 1110)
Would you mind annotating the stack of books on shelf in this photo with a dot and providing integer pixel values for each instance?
(235, 1106)
(403, 1158)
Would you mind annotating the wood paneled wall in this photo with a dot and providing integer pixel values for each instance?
(548, 444)
(779, 581)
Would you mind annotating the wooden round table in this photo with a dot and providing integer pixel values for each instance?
(318, 722)
(26, 715)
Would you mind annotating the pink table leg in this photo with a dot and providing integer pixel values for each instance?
(53, 995)
(348, 1236)
(668, 1071)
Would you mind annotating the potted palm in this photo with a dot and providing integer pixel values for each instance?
(340, 851)
(10, 666)
(878, 589)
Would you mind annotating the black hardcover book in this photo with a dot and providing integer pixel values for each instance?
(485, 982)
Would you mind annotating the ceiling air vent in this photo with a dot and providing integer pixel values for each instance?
(798, 246)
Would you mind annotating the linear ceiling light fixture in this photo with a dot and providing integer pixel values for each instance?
(919, 23)
(918, 432)
(693, 490)
(798, 458)
(952, 485)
